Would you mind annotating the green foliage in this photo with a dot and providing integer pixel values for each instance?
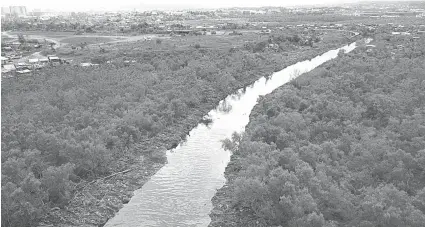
(259, 47)
(22, 205)
(99, 59)
(21, 38)
(70, 125)
(342, 145)
(56, 183)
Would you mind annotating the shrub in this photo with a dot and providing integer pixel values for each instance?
(22, 206)
(98, 60)
(56, 182)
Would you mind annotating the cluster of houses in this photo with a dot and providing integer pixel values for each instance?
(15, 49)
(113, 22)
(184, 22)
(9, 69)
(413, 31)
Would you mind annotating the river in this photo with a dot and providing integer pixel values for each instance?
(180, 193)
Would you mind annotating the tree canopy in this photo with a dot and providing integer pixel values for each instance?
(68, 125)
(342, 145)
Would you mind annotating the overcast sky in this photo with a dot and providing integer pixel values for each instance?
(85, 5)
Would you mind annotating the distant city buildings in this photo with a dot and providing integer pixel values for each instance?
(14, 10)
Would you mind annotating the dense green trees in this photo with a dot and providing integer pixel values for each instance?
(68, 125)
(340, 146)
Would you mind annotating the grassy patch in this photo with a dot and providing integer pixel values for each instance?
(44, 34)
(89, 40)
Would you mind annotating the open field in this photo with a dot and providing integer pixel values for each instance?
(47, 34)
(71, 38)
(108, 47)
(87, 39)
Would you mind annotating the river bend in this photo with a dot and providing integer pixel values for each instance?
(180, 193)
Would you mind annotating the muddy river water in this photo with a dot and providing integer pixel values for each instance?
(180, 193)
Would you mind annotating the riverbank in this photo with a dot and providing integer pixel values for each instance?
(307, 165)
(225, 212)
(93, 204)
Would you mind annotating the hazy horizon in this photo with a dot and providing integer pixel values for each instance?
(84, 6)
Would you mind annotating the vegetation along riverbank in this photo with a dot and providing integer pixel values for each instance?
(342, 145)
(77, 141)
